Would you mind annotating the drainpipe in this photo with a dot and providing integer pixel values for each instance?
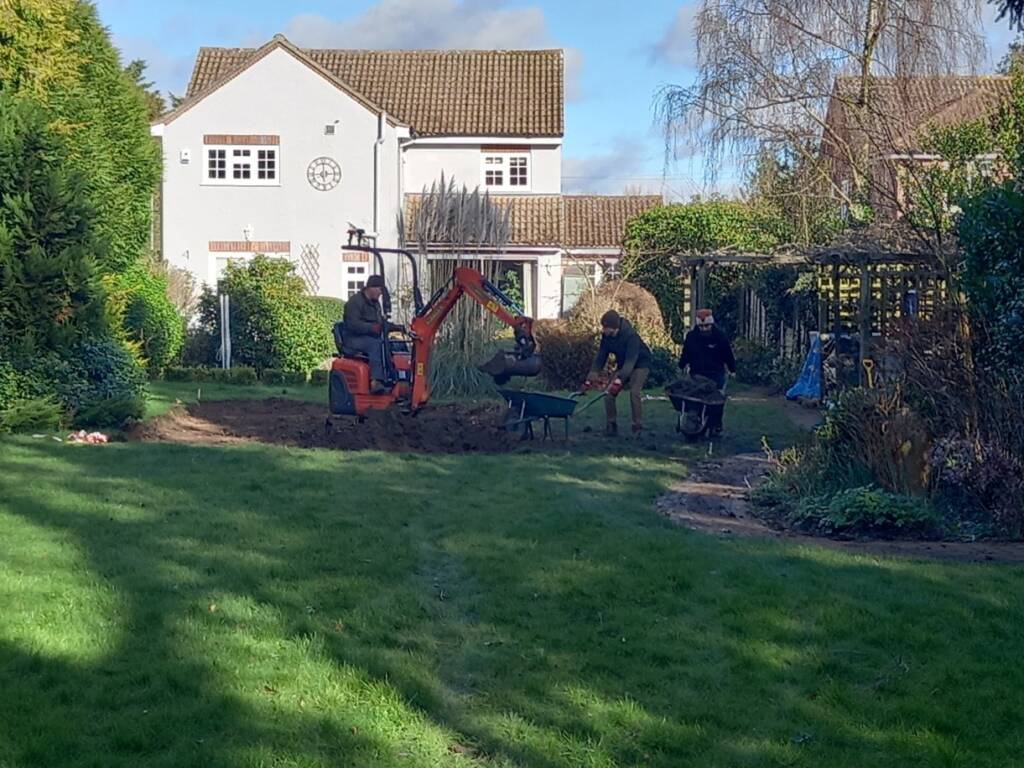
(378, 147)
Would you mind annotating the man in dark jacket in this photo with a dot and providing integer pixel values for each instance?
(366, 330)
(632, 362)
(707, 352)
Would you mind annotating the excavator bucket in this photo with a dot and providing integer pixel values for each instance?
(504, 365)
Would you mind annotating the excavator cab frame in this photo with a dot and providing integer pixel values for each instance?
(409, 371)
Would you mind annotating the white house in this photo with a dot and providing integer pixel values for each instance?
(281, 150)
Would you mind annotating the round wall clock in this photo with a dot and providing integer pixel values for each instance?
(323, 174)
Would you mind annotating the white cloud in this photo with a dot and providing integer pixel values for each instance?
(677, 45)
(470, 24)
(625, 167)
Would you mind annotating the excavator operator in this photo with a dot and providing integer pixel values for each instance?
(366, 330)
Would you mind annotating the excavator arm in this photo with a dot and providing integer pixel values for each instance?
(427, 323)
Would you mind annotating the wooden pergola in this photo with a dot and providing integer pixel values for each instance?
(866, 281)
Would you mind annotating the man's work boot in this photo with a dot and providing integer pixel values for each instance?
(378, 387)
(611, 429)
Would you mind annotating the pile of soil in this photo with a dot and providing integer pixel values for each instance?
(714, 499)
(442, 428)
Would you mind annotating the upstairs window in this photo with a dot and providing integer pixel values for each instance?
(242, 165)
(506, 171)
(216, 164)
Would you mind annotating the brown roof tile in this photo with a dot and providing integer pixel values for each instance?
(450, 93)
(900, 110)
(571, 221)
(600, 220)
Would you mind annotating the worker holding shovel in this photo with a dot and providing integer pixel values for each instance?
(633, 364)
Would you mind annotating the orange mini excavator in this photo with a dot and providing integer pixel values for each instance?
(407, 361)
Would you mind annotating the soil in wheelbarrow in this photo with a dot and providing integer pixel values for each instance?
(441, 428)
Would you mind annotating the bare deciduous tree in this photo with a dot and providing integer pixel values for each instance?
(768, 68)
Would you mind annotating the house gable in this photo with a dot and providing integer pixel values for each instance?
(215, 79)
(438, 93)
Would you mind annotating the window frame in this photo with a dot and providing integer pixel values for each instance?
(356, 274)
(240, 159)
(507, 159)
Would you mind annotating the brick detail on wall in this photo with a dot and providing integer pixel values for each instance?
(236, 138)
(250, 246)
(354, 256)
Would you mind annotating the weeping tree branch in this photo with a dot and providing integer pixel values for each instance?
(767, 70)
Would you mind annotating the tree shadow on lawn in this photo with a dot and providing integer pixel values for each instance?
(313, 608)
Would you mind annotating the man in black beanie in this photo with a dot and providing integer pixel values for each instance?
(632, 365)
(366, 329)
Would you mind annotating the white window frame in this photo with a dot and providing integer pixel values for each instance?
(236, 157)
(488, 162)
(356, 275)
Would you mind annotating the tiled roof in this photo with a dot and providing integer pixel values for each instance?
(600, 220)
(571, 221)
(449, 93)
(901, 109)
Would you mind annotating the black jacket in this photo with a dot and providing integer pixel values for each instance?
(629, 349)
(707, 353)
(361, 315)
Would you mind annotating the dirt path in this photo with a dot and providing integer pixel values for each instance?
(713, 500)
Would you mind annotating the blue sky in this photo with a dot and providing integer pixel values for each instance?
(618, 54)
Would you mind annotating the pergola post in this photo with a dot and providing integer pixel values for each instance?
(864, 320)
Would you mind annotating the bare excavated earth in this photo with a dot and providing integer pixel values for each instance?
(444, 428)
(713, 500)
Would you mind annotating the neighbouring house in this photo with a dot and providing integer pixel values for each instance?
(281, 150)
(884, 138)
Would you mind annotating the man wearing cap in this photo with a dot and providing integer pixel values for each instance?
(707, 352)
(633, 363)
(366, 329)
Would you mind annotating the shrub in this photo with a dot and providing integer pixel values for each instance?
(320, 377)
(993, 271)
(328, 311)
(179, 373)
(631, 301)
(98, 370)
(242, 375)
(866, 510)
(276, 378)
(141, 309)
(201, 347)
(664, 367)
(34, 413)
(980, 481)
(111, 412)
(273, 323)
(654, 238)
(566, 355)
(755, 362)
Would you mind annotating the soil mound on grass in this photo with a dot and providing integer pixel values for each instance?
(441, 428)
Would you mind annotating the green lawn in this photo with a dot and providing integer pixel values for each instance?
(161, 395)
(258, 606)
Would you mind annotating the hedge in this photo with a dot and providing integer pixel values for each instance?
(140, 308)
(655, 237)
(273, 323)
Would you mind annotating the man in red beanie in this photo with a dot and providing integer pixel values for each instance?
(707, 353)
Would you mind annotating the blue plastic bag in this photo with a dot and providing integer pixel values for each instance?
(809, 383)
